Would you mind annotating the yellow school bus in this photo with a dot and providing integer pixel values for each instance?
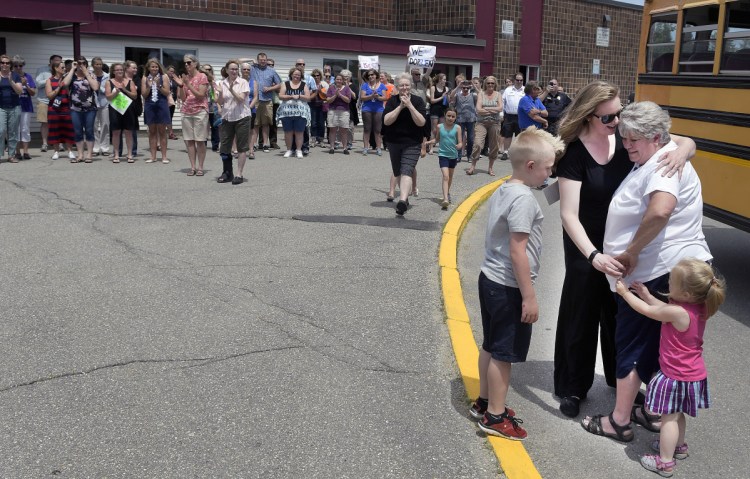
(694, 61)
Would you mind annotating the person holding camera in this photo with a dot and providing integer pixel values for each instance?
(555, 101)
(58, 115)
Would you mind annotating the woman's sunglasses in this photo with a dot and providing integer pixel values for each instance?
(607, 119)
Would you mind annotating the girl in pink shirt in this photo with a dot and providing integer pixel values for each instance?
(680, 387)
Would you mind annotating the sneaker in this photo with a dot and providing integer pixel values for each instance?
(479, 407)
(401, 207)
(288, 153)
(266, 149)
(653, 463)
(331, 151)
(503, 425)
(445, 204)
(71, 155)
(44, 147)
(379, 152)
(680, 452)
(97, 152)
(504, 156)
(55, 156)
(299, 154)
(365, 151)
(346, 152)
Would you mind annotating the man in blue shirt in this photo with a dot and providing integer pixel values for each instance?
(268, 82)
(531, 111)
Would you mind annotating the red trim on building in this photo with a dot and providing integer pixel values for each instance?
(532, 13)
(486, 23)
(196, 31)
(75, 11)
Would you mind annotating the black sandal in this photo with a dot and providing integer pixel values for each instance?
(594, 426)
(646, 419)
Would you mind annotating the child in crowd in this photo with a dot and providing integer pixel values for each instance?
(449, 137)
(507, 299)
(680, 387)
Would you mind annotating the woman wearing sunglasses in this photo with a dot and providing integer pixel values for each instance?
(10, 107)
(193, 87)
(594, 165)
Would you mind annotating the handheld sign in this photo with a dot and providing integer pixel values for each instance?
(121, 103)
(369, 63)
(422, 56)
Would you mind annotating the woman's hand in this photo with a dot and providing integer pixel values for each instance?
(405, 101)
(672, 162)
(608, 265)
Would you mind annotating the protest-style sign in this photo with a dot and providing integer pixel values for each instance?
(121, 103)
(422, 56)
(369, 63)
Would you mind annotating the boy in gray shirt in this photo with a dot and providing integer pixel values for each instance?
(513, 244)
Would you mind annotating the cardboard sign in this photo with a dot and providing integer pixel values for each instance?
(422, 56)
(369, 63)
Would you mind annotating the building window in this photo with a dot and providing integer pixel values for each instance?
(338, 64)
(167, 56)
(661, 41)
(698, 46)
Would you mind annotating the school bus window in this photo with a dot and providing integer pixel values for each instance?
(736, 52)
(661, 41)
(699, 39)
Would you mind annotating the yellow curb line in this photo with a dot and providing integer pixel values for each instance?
(513, 457)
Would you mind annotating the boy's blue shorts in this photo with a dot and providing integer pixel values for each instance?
(506, 338)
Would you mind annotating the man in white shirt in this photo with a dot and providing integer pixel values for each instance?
(511, 96)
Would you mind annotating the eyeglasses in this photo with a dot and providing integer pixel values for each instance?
(607, 119)
(373, 75)
(490, 83)
(18, 65)
(552, 84)
(245, 69)
(188, 62)
(4, 63)
(301, 64)
(519, 79)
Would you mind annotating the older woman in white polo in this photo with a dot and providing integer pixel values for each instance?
(653, 222)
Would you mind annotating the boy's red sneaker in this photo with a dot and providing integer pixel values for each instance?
(479, 407)
(504, 426)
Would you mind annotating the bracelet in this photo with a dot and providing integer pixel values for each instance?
(593, 255)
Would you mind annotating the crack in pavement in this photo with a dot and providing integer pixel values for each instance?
(203, 361)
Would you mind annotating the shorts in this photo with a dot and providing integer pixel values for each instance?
(296, 124)
(41, 112)
(668, 396)
(446, 162)
(506, 338)
(195, 127)
(637, 337)
(264, 113)
(338, 119)
(510, 126)
(404, 158)
(235, 130)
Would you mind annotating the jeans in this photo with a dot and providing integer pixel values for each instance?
(318, 123)
(9, 118)
(83, 120)
(468, 128)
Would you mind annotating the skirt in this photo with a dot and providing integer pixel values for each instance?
(668, 396)
(60, 127)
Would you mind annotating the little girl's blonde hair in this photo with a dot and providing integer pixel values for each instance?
(701, 282)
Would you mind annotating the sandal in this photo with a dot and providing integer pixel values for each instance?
(198, 172)
(470, 171)
(653, 463)
(645, 419)
(150, 161)
(74, 160)
(491, 173)
(594, 426)
(165, 161)
(130, 159)
(88, 160)
(191, 172)
(115, 160)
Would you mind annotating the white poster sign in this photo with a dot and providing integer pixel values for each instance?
(507, 27)
(422, 56)
(602, 36)
(369, 63)
(596, 66)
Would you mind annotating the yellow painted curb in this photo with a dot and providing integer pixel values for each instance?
(513, 457)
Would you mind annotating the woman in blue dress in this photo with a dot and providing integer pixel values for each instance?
(155, 89)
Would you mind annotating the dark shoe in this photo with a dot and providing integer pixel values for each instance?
(594, 426)
(26, 156)
(225, 178)
(570, 406)
(238, 180)
(331, 151)
(346, 152)
(275, 146)
(389, 199)
(18, 155)
(401, 207)
(504, 426)
(645, 419)
(266, 149)
(504, 156)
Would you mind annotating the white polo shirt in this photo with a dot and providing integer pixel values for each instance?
(682, 237)
(511, 97)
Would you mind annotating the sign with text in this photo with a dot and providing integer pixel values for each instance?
(369, 63)
(596, 67)
(602, 37)
(422, 56)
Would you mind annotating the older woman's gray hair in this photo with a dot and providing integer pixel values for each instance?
(193, 59)
(645, 119)
(402, 76)
(18, 60)
(346, 74)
